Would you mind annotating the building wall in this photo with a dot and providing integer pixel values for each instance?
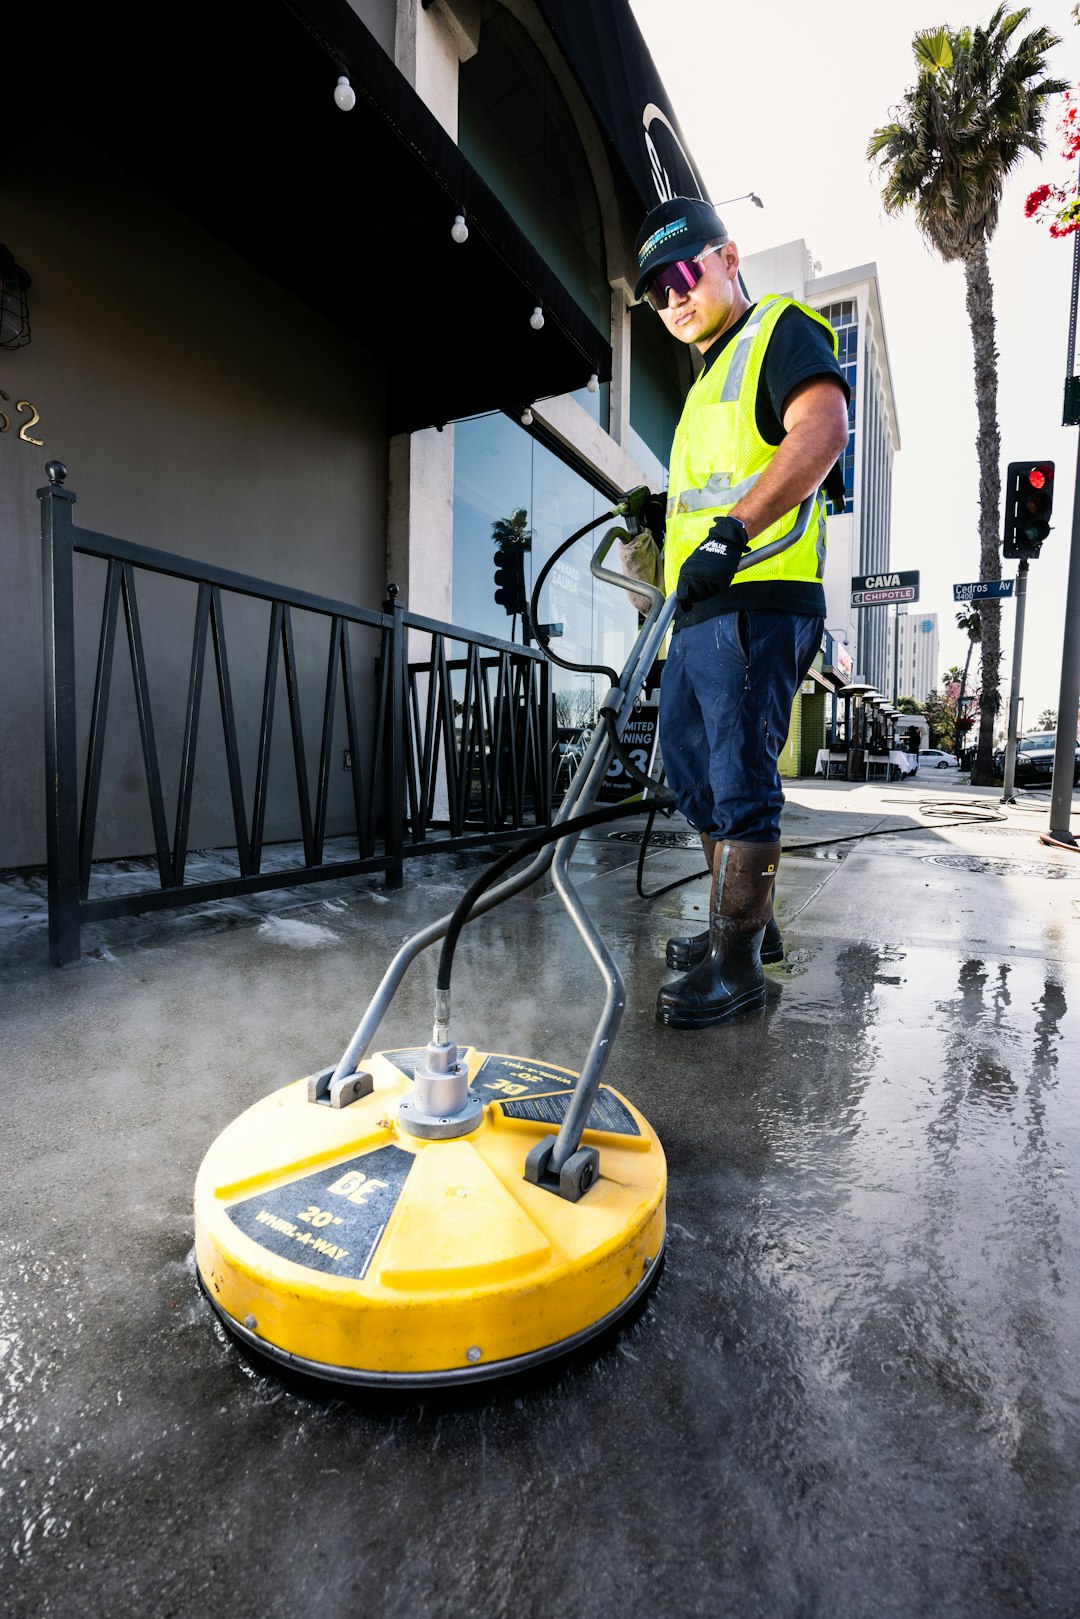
(913, 653)
(199, 409)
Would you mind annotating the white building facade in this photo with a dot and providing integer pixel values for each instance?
(911, 655)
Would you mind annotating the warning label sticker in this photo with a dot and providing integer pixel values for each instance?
(525, 1090)
(609, 1113)
(500, 1077)
(332, 1220)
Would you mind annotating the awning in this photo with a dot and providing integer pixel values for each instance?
(828, 678)
(603, 45)
(226, 110)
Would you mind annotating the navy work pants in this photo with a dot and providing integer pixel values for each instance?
(725, 707)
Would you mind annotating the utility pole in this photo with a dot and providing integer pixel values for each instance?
(1069, 692)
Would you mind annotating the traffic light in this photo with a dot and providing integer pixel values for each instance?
(1029, 500)
(510, 576)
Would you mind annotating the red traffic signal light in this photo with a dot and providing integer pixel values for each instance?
(1029, 500)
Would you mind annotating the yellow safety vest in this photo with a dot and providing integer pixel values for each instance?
(718, 455)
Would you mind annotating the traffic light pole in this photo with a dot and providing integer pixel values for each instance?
(1008, 795)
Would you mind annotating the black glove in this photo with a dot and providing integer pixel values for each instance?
(655, 515)
(711, 568)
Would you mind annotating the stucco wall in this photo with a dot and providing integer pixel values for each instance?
(199, 409)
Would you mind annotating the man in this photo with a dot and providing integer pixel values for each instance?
(762, 426)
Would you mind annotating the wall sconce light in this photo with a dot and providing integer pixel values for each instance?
(344, 94)
(14, 309)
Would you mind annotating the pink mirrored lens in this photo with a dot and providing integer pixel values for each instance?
(678, 278)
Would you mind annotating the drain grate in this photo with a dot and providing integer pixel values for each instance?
(1004, 868)
(662, 840)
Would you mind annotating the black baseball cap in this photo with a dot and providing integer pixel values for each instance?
(679, 228)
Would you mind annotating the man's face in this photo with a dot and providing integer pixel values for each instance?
(705, 312)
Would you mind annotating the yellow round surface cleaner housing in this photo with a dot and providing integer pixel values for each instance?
(337, 1242)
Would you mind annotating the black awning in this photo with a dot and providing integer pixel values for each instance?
(604, 46)
(226, 110)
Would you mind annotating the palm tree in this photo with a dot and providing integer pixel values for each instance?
(513, 538)
(976, 109)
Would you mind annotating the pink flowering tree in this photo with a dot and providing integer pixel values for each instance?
(1060, 204)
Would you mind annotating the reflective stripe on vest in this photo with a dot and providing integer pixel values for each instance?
(718, 455)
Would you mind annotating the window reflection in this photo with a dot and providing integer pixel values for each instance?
(498, 470)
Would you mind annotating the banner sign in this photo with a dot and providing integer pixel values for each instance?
(639, 740)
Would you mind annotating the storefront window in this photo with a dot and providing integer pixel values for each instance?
(660, 376)
(498, 471)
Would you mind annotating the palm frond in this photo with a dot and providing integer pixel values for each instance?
(976, 110)
(933, 50)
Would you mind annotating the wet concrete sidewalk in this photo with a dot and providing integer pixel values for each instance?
(855, 1390)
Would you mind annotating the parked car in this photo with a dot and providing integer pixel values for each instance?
(935, 759)
(1035, 760)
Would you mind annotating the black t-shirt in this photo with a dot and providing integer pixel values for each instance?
(798, 350)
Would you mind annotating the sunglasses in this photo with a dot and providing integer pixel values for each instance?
(678, 278)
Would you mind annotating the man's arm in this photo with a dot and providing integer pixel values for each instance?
(816, 431)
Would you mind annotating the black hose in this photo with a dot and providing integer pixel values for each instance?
(529, 845)
(679, 882)
(940, 808)
(534, 607)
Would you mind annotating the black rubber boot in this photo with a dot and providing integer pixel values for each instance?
(730, 980)
(682, 954)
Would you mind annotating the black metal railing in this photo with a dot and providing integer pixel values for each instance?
(442, 752)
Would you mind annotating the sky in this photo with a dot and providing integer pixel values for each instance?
(781, 99)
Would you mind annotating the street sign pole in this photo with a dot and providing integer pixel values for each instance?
(1008, 795)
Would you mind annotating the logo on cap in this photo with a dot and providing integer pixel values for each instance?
(659, 237)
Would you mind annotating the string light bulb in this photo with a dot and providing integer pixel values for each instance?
(526, 417)
(593, 383)
(459, 230)
(344, 94)
(536, 319)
